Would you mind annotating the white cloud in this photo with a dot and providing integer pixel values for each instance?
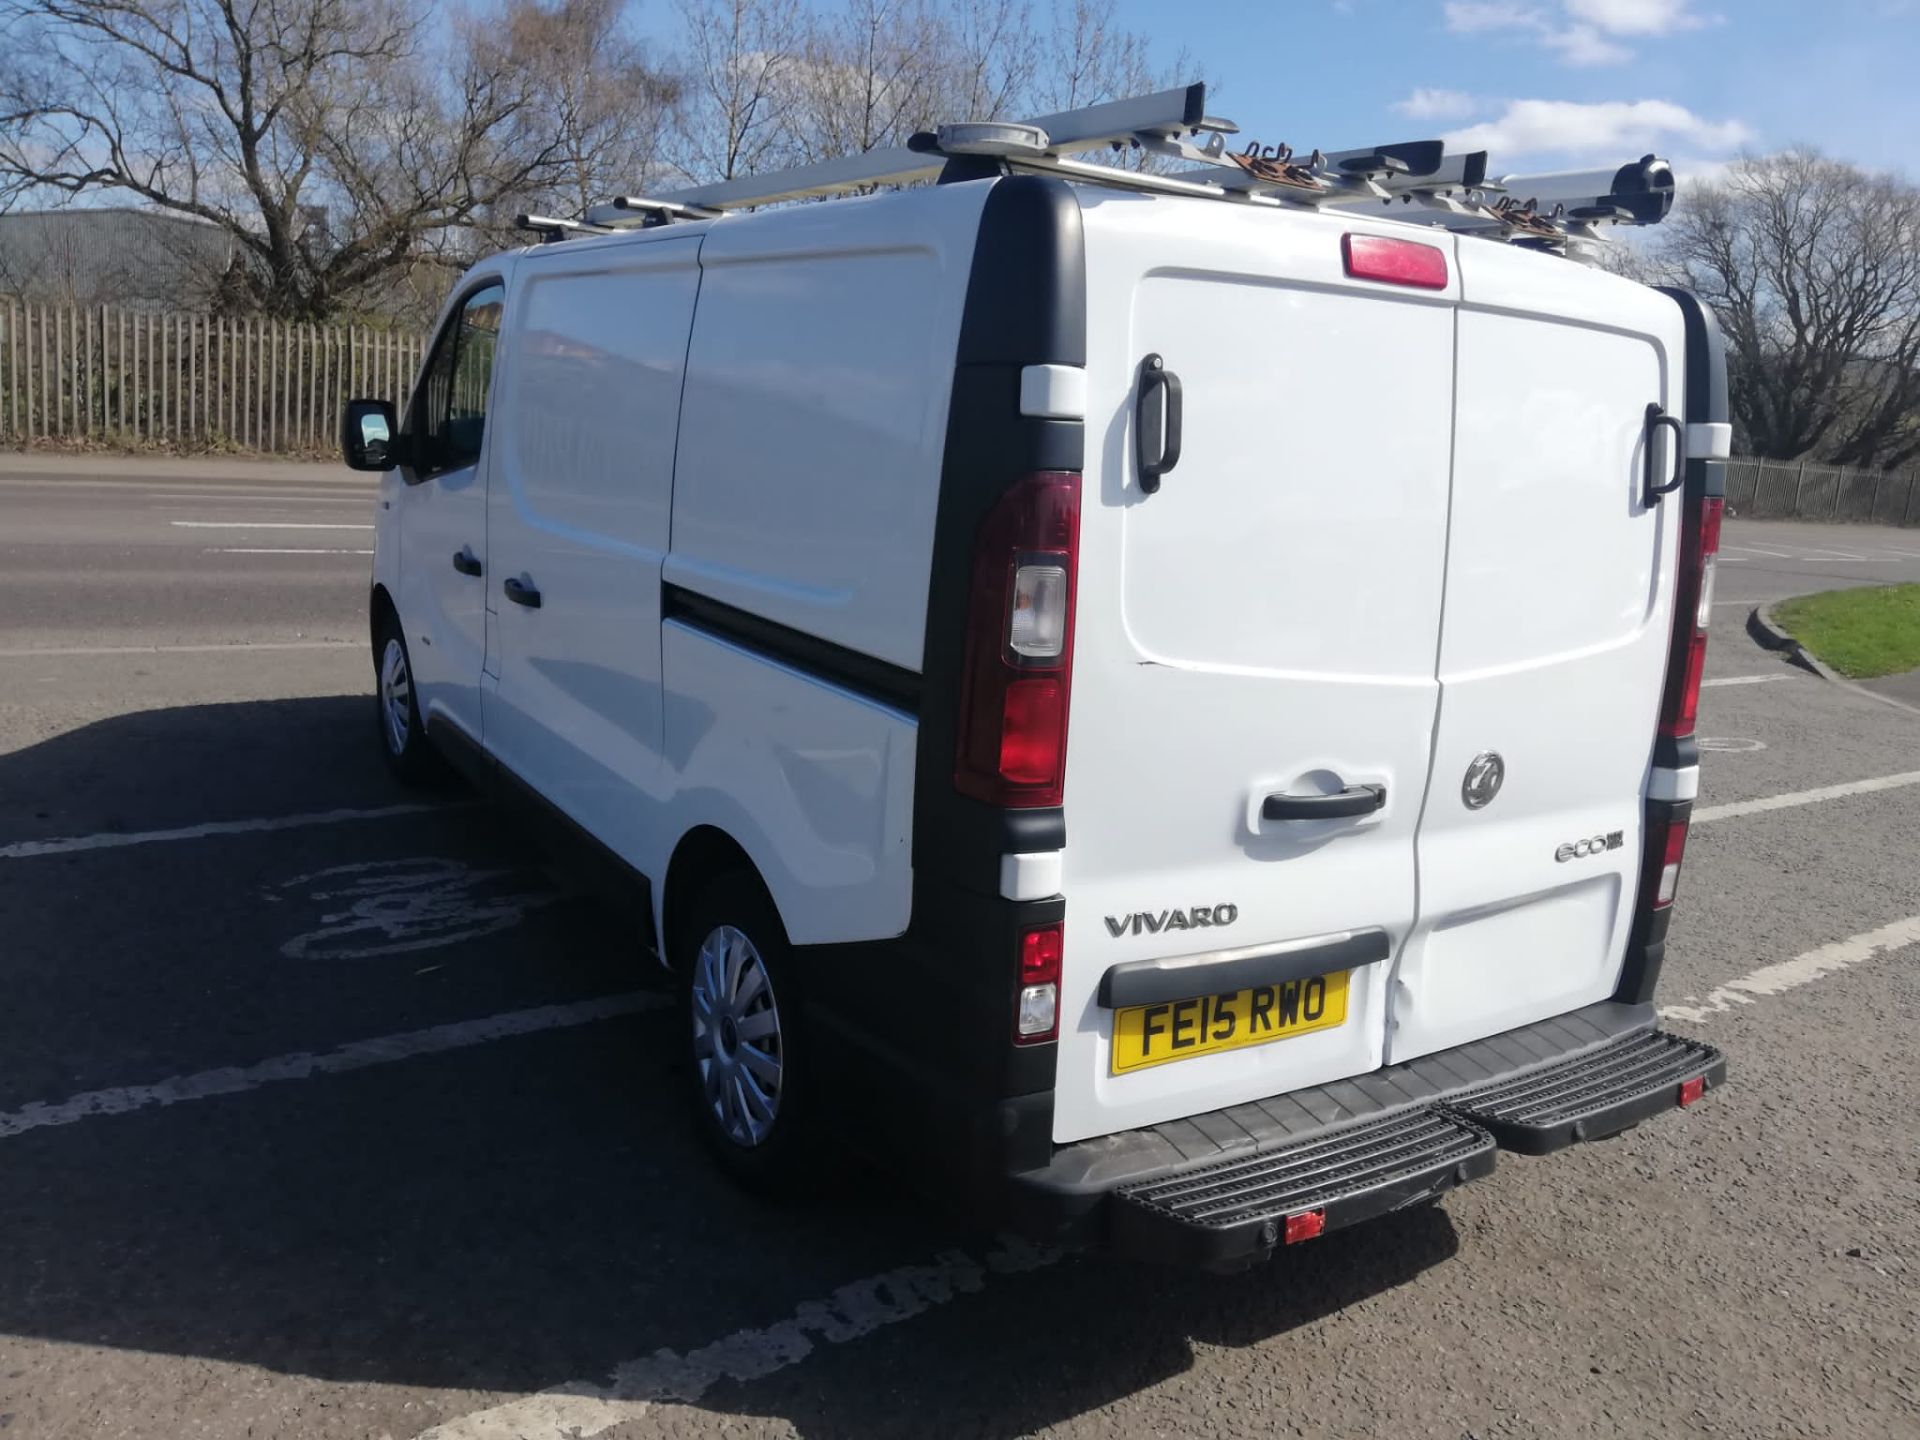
(1430, 104)
(1636, 17)
(1583, 46)
(1581, 32)
(1615, 128)
(1469, 16)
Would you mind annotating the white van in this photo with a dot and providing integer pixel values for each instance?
(1165, 709)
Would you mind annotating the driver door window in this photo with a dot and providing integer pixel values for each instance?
(452, 415)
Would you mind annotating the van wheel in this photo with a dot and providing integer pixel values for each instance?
(403, 739)
(741, 1013)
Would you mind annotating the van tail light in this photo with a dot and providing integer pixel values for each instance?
(1037, 1017)
(1666, 846)
(1018, 670)
(1692, 613)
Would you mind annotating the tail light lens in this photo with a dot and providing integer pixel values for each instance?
(1393, 261)
(1012, 748)
(1660, 868)
(1038, 1015)
(1666, 835)
(1692, 613)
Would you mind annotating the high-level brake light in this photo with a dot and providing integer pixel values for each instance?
(1393, 261)
(1018, 669)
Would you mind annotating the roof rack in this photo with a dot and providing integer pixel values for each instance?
(1452, 191)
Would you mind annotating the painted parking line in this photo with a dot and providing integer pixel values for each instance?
(267, 525)
(115, 840)
(1801, 970)
(33, 652)
(586, 1408)
(303, 1065)
(1743, 680)
(1805, 797)
(277, 550)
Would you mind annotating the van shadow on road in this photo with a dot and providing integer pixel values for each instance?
(501, 1218)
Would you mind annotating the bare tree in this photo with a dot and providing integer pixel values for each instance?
(871, 75)
(1813, 268)
(608, 108)
(735, 73)
(334, 140)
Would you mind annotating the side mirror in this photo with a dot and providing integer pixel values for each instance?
(367, 435)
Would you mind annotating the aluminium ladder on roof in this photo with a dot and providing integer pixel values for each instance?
(1420, 179)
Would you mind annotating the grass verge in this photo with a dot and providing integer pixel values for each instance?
(1861, 633)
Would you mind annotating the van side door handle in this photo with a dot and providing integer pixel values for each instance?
(1157, 412)
(466, 562)
(1354, 800)
(521, 593)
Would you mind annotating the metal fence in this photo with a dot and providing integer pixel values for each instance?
(198, 381)
(1791, 490)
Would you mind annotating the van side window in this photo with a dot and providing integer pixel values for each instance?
(453, 409)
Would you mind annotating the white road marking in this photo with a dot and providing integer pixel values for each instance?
(1744, 680)
(266, 525)
(67, 845)
(277, 550)
(29, 652)
(398, 906)
(1805, 797)
(586, 1408)
(1801, 970)
(1730, 744)
(281, 497)
(304, 1065)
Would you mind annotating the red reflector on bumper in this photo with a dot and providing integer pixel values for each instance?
(1692, 1090)
(1305, 1226)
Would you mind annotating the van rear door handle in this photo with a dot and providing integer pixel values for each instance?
(466, 562)
(1354, 800)
(1652, 490)
(522, 593)
(1158, 410)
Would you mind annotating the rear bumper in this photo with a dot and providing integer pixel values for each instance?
(1227, 1188)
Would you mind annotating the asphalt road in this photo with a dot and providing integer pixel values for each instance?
(358, 1125)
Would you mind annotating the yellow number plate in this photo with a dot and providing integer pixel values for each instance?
(1147, 1035)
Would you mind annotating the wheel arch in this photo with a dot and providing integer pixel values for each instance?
(702, 853)
(380, 610)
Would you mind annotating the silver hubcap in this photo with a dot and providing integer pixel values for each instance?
(396, 695)
(736, 1036)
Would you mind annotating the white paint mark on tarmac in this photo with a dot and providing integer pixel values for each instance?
(34, 652)
(1730, 744)
(267, 525)
(1801, 970)
(394, 907)
(586, 1408)
(279, 550)
(1805, 797)
(68, 845)
(304, 1065)
(1743, 680)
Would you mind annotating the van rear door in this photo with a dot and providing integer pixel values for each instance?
(1263, 625)
(1559, 598)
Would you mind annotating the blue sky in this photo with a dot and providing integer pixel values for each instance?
(1546, 83)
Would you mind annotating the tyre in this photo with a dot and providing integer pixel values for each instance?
(403, 738)
(741, 1018)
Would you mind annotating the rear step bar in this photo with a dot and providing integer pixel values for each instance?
(1234, 1212)
(1595, 1094)
(1231, 1214)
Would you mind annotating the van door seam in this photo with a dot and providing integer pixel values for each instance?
(1439, 698)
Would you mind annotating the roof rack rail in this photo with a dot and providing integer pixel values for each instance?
(551, 228)
(1452, 191)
